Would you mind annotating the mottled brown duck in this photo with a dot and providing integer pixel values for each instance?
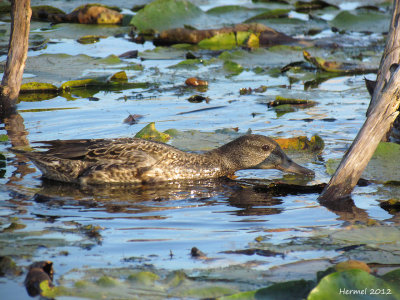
(133, 160)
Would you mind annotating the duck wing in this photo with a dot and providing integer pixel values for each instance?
(68, 149)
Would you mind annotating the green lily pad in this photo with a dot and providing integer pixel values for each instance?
(235, 12)
(230, 40)
(79, 83)
(297, 289)
(106, 281)
(392, 277)
(38, 87)
(339, 67)
(274, 13)
(189, 64)
(145, 278)
(361, 21)
(39, 9)
(119, 77)
(89, 39)
(149, 132)
(353, 284)
(233, 68)
(380, 168)
(165, 14)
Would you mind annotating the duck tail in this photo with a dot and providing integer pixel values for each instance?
(55, 168)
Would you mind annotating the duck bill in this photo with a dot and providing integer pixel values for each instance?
(291, 167)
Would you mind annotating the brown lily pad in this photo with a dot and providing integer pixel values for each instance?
(40, 271)
(338, 67)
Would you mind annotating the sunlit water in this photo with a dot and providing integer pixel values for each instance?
(159, 225)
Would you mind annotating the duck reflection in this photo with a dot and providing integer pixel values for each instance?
(254, 203)
(258, 198)
(138, 199)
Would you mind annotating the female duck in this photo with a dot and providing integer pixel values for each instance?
(133, 160)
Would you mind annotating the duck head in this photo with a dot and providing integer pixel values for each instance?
(259, 152)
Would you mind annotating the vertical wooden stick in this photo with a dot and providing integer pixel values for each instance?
(380, 117)
(17, 53)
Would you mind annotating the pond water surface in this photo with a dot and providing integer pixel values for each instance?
(155, 227)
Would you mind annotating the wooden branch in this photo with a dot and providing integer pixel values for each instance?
(391, 55)
(375, 127)
(381, 114)
(17, 53)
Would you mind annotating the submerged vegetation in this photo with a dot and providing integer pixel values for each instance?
(203, 74)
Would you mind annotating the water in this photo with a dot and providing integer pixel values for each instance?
(158, 225)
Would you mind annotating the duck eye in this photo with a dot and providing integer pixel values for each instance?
(266, 147)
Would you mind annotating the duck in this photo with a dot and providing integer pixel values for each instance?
(140, 161)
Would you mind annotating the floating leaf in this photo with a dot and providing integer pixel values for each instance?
(149, 132)
(338, 67)
(89, 39)
(362, 21)
(189, 64)
(119, 77)
(39, 278)
(38, 87)
(164, 14)
(95, 14)
(3, 137)
(145, 278)
(391, 205)
(352, 264)
(230, 40)
(232, 67)
(279, 100)
(8, 267)
(392, 277)
(297, 289)
(315, 144)
(209, 292)
(303, 6)
(39, 10)
(353, 284)
(106, 281)
(380, 167)
(274, 13)
(193, 81)
(79, 83)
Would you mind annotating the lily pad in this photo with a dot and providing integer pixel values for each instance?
(90, 39)
(119, 77)
(149, 132)
(79, 83)
(353, 284)
(315, 144)
(380, 168)
(230, 40)
(337, 66)
(361, 21)
(352, 264)
(306, 6)
(165, 14)
(289, 290)
(38, 87)
(233, 68)
(274, 13)
(145, 278)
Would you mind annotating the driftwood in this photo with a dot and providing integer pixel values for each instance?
(17, 54)
(380, 117)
